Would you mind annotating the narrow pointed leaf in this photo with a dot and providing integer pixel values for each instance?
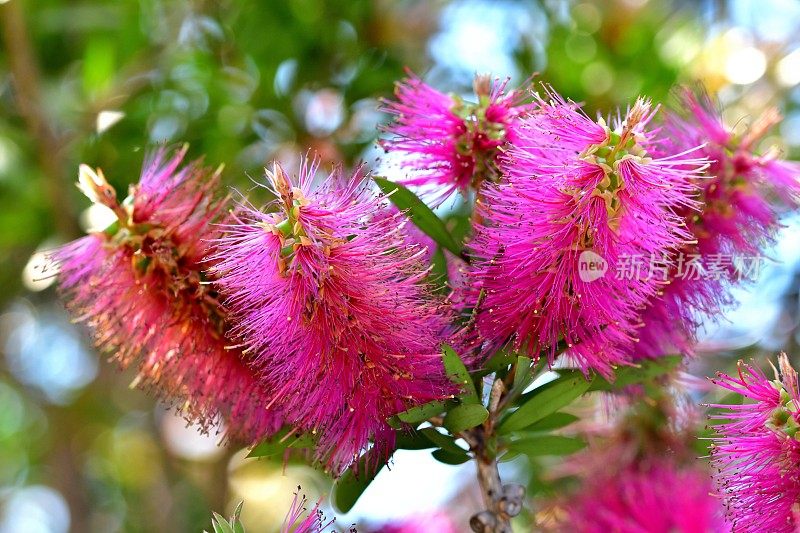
(413, 440)
(523, 372)
(551, 422)
(349, 488)
(465, 416)
(457, 372)
(547, 445)
(450, 458)
(279, 442)
(545, 400)
(631, 375)
(446, 442)
(221, 525)
(420, 214)
(421, 413)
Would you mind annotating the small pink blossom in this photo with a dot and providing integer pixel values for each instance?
(657, 497)
(301, 520)
(756, 453)
(449, 144)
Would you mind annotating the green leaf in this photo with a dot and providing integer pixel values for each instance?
(508, 456)
(445, 442)
(457, 372)
(413, 440)
(551, 422)
(238, 527)
(465, 416)
(631, 375)
(499, 361)
(99, 64)
(544, 401)
(419, 213)
(546, 445)
(523, 374)
(438, 275)
(421, 413)
(349, 488)
(279, 442)
(221, 525)
(450, 458)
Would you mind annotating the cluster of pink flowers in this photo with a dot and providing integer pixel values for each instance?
(756, 453)
(289, 339)
(449, 144)
(314, 314)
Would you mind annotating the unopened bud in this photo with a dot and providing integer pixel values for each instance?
(280, 182)
(637, 113)
(94, 185)
(483, 522)
(482, 84)
(514, 491)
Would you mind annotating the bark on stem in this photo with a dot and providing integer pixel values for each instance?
(493, 519)
(28, 96)
(492, 490)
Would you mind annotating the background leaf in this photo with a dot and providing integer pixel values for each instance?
(419, 213)
(464, 417)
(545, 400)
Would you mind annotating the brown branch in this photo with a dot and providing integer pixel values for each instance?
(28, 95)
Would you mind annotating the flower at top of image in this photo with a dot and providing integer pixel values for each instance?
(139, 287)
(742, 194)
(756, 453)
(330, 305)
(447, 143)
(578, 200)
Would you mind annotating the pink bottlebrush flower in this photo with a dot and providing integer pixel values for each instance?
(578, 197)
(756, 453)
(449, 144)
(140, 288)
(424, 523)
(742, 194)
(300, 520)
(657, 497)
(330, 304)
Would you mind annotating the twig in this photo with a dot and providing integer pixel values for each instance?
(27, 84)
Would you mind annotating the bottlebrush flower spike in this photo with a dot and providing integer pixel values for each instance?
(555, 247)
(140, 288)
(449, 144)
(741, 193)
(756, 452)
(330, 304)
(659, 497)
